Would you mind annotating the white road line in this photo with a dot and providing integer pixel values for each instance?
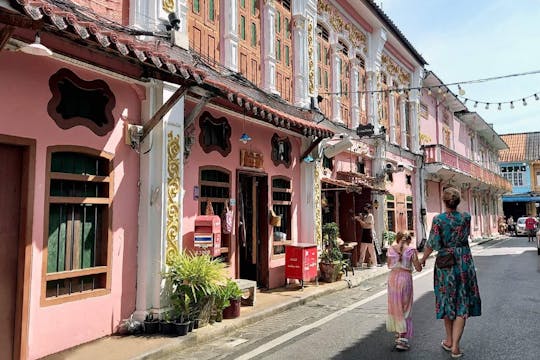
(292, 334)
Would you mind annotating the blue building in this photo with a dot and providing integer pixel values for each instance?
(520, 164)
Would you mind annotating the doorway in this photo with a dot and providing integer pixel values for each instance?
(252, 197)
(13, 217)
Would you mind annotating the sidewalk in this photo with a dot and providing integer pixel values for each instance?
(139, 347)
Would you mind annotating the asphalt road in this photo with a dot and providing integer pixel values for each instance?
(350, 324)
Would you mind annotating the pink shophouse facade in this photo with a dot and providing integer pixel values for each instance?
(460, 150)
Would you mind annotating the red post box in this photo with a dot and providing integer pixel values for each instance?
(301, 262)
(207, 238)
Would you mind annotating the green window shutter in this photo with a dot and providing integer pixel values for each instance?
(211, 10)
(243, 27)
(287, 55)
(253, 7)
(253, 34)
(196, 6)
(278, 50)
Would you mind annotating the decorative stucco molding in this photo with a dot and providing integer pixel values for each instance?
(311, 66)
(168, 5)
(356, 37)
(173, 188)
(395, 70)
(317, 202)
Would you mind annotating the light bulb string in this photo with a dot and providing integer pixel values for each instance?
(535, 95)
(433, 87)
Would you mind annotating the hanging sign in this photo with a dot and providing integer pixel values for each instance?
(365, 130)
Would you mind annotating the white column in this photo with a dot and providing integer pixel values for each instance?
(229, 30)
(335, 89)
(162, 163)
(300, 72)
(268, 42)
(354, 96)
(376, 41)
(404, 124)
(414, 104)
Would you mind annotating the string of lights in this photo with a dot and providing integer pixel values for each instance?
(443, 89)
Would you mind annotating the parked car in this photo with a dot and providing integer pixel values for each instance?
(520, 227)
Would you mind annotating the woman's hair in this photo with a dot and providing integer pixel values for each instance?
(403, 238)
(451, 197)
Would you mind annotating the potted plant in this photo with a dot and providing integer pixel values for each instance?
(331, 264)
(181, 305)
(151, 324)
(233, 294)
(168, 327)
(195, 278)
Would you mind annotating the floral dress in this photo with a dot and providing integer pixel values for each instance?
(456, 288)
(400, 292)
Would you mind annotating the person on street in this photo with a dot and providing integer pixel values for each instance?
(366, 243)
(457, 295)
(511, 226)
(530, 226)
(401, 259)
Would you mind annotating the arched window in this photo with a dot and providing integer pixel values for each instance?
(344, 85)
(362, 88)
(78, 222)
(203, 28)
(396, 97)
(385, 102)
(324, 73)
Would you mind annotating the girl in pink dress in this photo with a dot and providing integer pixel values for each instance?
(401, 259)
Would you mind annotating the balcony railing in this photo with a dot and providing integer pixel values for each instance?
(443, 155)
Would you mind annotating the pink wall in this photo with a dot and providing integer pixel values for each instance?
(428, 126)
(25, 92)
(261, 136)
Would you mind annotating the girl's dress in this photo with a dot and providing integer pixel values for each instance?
(456, 288)
(400, 292)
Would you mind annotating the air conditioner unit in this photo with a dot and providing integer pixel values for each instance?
(335, 149)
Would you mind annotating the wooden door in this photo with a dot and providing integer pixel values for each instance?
(11, 158)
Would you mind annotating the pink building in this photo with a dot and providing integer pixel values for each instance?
(460, 150)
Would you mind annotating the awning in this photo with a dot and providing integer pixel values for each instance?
(342, 185)
(521, 199)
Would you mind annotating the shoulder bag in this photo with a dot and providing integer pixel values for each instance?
(445, 261)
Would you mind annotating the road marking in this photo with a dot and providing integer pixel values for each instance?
(299, 331)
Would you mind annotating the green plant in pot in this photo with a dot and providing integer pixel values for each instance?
(233, 294)
(331, 259)
(151, 324)
(195, 278)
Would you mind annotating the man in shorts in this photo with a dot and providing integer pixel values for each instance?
(530, 226)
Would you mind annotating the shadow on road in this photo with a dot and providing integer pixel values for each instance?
(509, 288)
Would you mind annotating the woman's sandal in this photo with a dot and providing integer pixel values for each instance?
(456, 356)
(446, 348)
(402, 344)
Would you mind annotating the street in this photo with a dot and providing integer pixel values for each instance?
(350, 324)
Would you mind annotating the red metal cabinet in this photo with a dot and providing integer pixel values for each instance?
(301, 262)
(207, 237)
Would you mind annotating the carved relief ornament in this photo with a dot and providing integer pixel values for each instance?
(395, 70)
(173, 189)
(310, 56)
(356, 37)
(168, 5)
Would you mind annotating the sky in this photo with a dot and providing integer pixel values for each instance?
(467, 40)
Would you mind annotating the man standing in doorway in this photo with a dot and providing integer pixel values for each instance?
(366, 243)
(530, 226)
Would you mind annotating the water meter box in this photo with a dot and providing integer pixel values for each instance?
(207, 235)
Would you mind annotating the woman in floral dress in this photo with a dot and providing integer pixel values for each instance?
(401, 259)
(456, 288)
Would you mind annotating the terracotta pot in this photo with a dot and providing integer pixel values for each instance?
(232, 311)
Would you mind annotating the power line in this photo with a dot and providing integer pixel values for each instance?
(441, 86)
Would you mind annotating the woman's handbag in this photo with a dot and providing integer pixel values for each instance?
(445, 261)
